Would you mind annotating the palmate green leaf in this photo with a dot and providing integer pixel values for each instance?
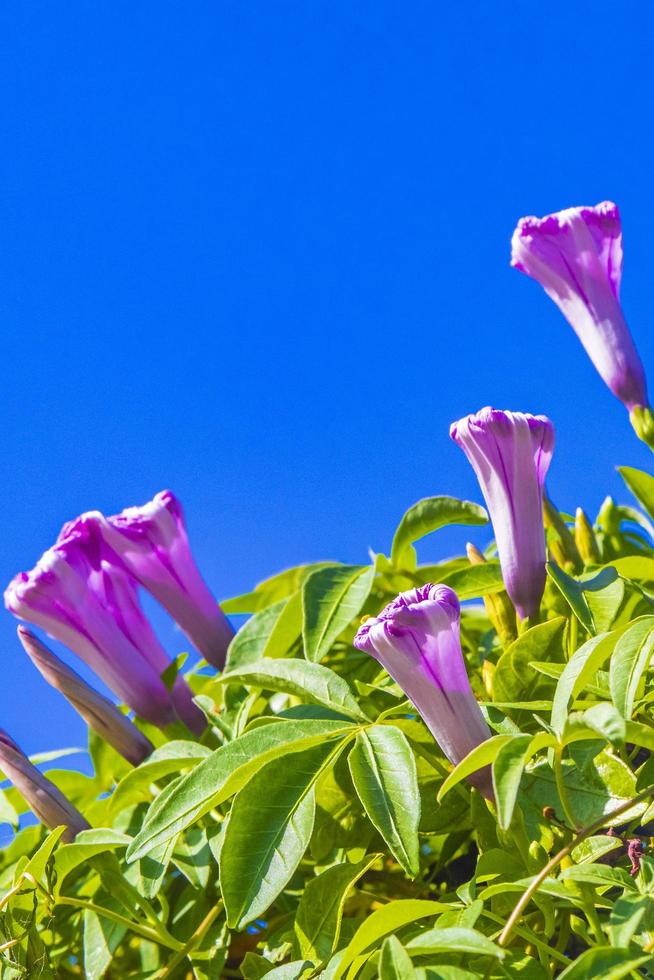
(331, 598)
(454, 940)
(382, 923)
(429, 515)
(383, 771)
(594, 599)
(223, 773)
(394, 961)
(319, 914)
(641, 485)
(630, 660)
(605, 962)
(269, 827)
(309, 681)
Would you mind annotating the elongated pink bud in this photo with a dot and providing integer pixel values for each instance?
(47, 803)
(97, 711)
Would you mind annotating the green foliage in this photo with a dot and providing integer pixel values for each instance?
(316, 828)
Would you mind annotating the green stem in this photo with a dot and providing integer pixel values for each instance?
(588, 831)
(561, 787)
(529, 936)
(141, 930)
(190, 945)
(573, 635)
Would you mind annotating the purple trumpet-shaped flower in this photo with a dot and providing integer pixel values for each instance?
(81, 596)
(416, 639)
(576, 256)
(97, 711)
(510, 452)
(152, 542)
(47, 802)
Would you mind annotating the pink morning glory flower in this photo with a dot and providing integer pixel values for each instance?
(416, 639)
(576, 256)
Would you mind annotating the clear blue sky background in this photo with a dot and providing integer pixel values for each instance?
(258, 253)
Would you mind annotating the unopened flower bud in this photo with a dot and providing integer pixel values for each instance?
(585, 539)
(499, 608)
(97, 711)
(560, 541)
(44, 799)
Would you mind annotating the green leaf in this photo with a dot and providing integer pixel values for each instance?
(607, 962)
(101, 939)
(384, 774)
(37, 864)
(594, 600)
(272, 589)
(287, 629)
(639, 568)
(319, 914)
(312, 682)
(507, 773)
(331, 598)
(599, 874)
(608, 722)
(381, 923)
(641, 485)
(475, 581)
(596, 785)
(223, 773)
(482, 755)
(291, 971)
(269, 827)
(455, 940)
(630, 660)
(514, 678)
(171, 757)
(429, 515)
(580, 669)
(250, 641)
(86, 845)
(631, 914)
(394, 962)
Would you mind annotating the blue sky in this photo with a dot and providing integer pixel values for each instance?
(258, 253)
